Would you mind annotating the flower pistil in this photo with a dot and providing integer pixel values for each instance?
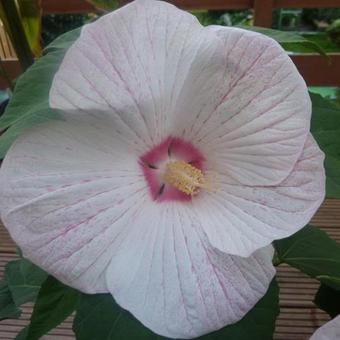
(184, 177)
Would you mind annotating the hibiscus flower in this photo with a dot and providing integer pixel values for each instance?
(183, 153)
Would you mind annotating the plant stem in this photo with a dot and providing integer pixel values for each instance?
(12, 22)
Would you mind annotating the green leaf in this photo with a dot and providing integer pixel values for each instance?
(328, 299)
(64, 41)
(10, 17)
(99, 317)
(290, 41)
(325, 127)
(22, 335)
(24, 280)
(30, 14)
(313, 252)
(8, 310)
(55, 302)
(31, 91)
(29, 104)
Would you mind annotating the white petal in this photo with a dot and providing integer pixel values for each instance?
(234, 94)
(133, 64)
(67, 190)
(240, 219)
(171, 279)
(329, 331)
(257, 127)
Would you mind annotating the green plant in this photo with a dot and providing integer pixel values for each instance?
(22, 22)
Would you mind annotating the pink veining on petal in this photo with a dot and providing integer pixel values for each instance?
(153, 161)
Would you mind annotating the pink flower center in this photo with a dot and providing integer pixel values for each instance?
(173, 170)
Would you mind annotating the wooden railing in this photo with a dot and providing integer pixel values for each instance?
(262, 8)
(316, 69)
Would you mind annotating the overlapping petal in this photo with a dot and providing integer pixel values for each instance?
(257, 129)
(134, 63)
(68, 189)
(234, 93)
(167, 274)
(83, 213)
(239, 219)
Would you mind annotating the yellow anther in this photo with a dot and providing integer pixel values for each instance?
(184, 177)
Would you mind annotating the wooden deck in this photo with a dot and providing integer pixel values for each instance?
(298, 317)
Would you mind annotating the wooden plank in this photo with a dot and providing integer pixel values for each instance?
(7, 51)
(318, 70)
(213, 4)
(13, 70)
(245, 4)
(3, 43)
(263, 13)
(306, 3)
(298, 318)
(207, 4)
(66, 6)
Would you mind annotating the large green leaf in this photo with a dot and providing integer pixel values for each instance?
(99, 317)
(290, 41)
(31, 91)
(24, 280)
(313, 252)
(8, 309)
(22, 335)
(325, 128)
(55, 302)
(63, 42)
(328, 299)
(29, 104)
